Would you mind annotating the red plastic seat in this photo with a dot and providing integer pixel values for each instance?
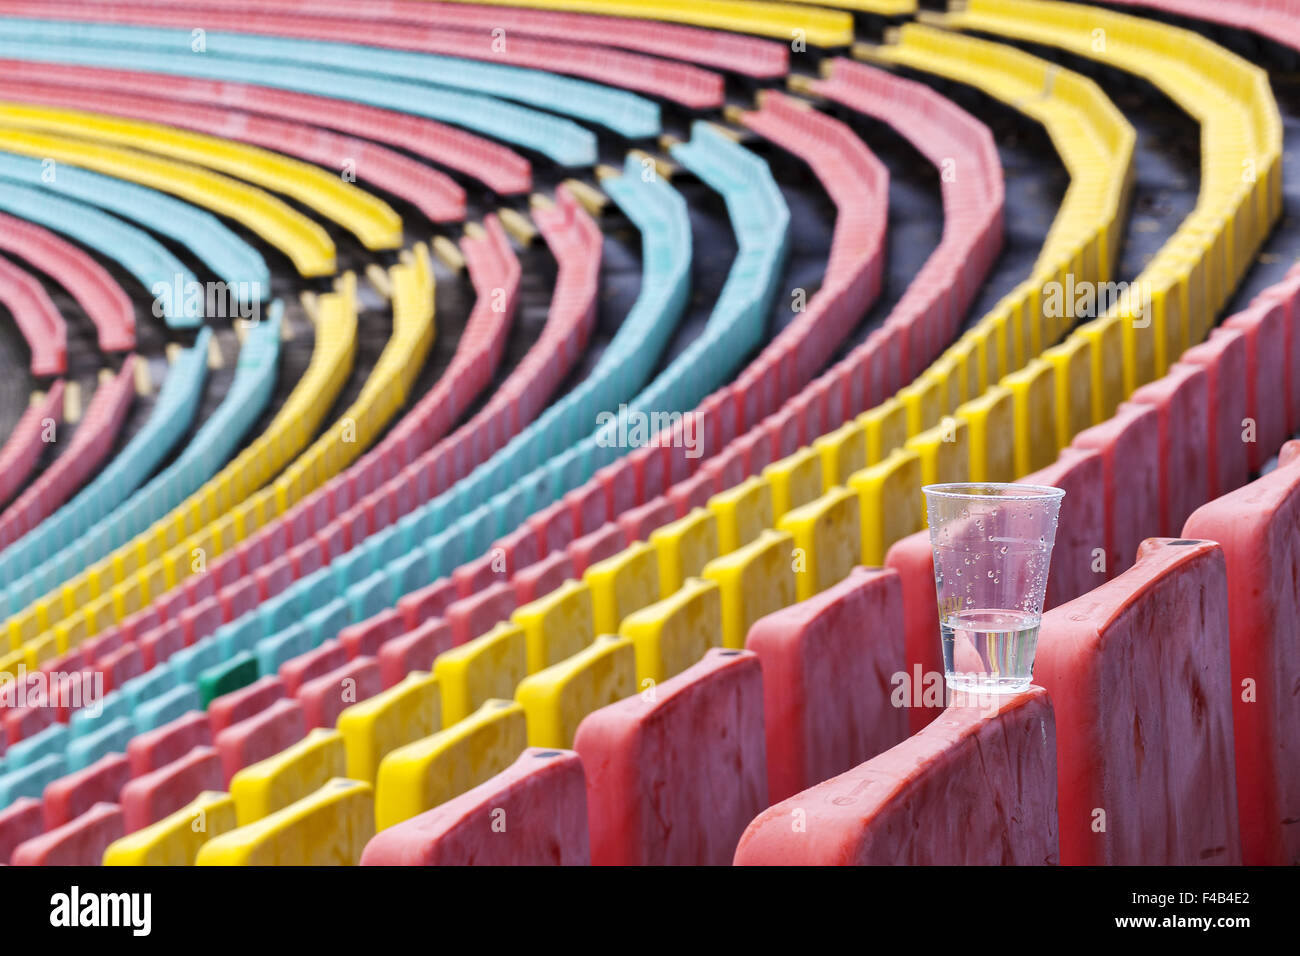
(1139, 673)
(151, 796)
(80, 842)
(977, 786)
(1256, 528)
(1129, 445)
(675, 773)
(830, 678)
(533, 813)
(70, 796)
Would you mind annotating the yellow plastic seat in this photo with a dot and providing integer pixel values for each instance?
(424, 773)
(1034, 390)
(295, 772)
(886, 429)
(888, 502)
(479, 670)
(795, 480)
(827, 536)
(557, 698)
(329, 827)
(753, 581)
(674, 633)
(175, 840)
(373, 728)
(742, 512)
(684, 547)
(842, 452)
(621, 584)
(990, 421)
(557, 625)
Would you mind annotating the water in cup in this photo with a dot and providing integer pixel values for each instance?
(989, 651)
(992, 546)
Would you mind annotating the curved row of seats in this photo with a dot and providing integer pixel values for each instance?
(1275, 19)
(26, 443)
(1240, 195)
(369, 218)
(330, 362)
(434, 193)
(896, 808)
(820, 27)
(690, 86)
(562, 141)
(212, 517)
(796, 479)
(371, 589)
(1165, 319)
(555, 687)
(626, 113)
(961, 149)
(173, 412)
(306, 244)
(577, 254)
(747, 56)
(90, 446)
(577, 258)
(38, 319)
(550, 702)
(99, 562)
(779, 820)
(105, 303)
(140, 254)
(497, 167)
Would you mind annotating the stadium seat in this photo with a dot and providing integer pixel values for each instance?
(675, 773)
(427, 772)
(329, 827)
(175, 839)
(1253, 527)
(996, 757)
(533, 813)
(1122, 685)
(831, 667)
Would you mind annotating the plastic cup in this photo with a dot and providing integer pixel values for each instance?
(992, 548)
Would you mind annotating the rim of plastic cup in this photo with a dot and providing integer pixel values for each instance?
(1022, 492)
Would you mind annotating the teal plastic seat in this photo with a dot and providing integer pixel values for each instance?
(110, 738)
(31, 780)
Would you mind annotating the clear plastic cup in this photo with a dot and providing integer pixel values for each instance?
(992, 548)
